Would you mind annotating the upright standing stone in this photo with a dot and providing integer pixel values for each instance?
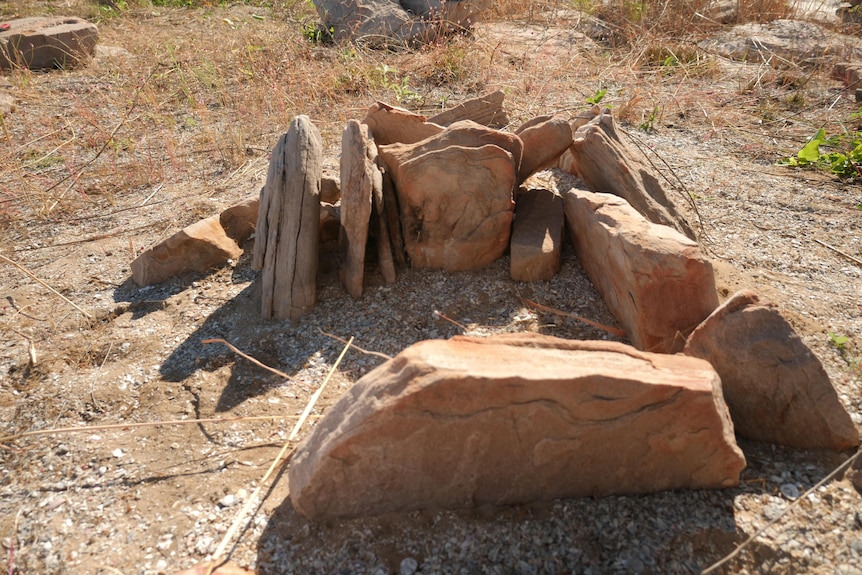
(775, 387)
(360, 177)
(655, 281)
(288, 224)
(537, 236)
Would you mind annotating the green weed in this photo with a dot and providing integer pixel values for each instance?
(843, 161)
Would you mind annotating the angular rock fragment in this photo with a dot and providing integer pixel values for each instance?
(606, 164)
(537, 236)
(544, 141)
(775, 387)
(41, 43)
(566, 161)
(390, 125)
(330, 190)
(240, 220)
(515, 419)
(196, 248)
(360, 177)
(486, 110)
(456, 204)
(655, 281)
(288, 227)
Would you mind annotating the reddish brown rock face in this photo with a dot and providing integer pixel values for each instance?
(537, 236)
(655, 281)
(512, 419)
(775, 387)
(47, 42)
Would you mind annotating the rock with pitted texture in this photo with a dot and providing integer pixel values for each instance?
(775, 387)
(656, 282)
(512, 419)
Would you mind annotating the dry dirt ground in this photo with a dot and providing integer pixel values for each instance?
(136, 499)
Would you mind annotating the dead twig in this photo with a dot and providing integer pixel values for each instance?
(62, 430)
(837, 251)
(772, 522)
(248, 357)
(540, 307)
(31, 348)
(282, 455)
(449, 319)
(356, 347)
(43, 284)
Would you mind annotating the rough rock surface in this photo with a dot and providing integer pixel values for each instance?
(455, 203)
(240, 220)
(775, 387)
(655, 281)
(512, 419)
(392, 125)
(486, 110)
(288, 226)
(607, 164)
(794, 41)
(196, 248)
(360, 177)
(537, 236)
(544, 142)
(40, 43)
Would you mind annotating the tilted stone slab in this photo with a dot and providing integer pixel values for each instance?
(391, 125)
(195, 248)
(537, 236)
(775, 387)
(515, 419)
(41, 43)
(544, 142)
(486, 110)
(655, 281)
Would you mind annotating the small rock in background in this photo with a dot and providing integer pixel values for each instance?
(41, 43)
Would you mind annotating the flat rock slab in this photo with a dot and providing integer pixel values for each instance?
(41, 43)
(794, 41)
(537, 236)
(486, 110)
(775, 387)
(514, 419)
(196, 248)
(392, 125)
(655, 281)
(545, 139)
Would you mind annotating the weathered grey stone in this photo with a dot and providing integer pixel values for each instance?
(514, 419)
(359, 178)
(196, 248)
(456, 204)
(287, 241)
(544, 142)
(655, 281)
(775, 387)
(41, 43)
(607, 164)
(537, 236)
(391, 125)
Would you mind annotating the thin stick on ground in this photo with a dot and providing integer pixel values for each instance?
(248, 357)
(356, 347)
(607, 328)
(43, 284)
(772, 522)
(283, 455)
(62, 430)
(837, 251)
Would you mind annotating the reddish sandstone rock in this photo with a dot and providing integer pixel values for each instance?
(655, 281)
(240, 220)
(537, 236)
(390, 125)
(515, 419)
(545, 139)
(41, 43)
(775, 387)
(196, 248)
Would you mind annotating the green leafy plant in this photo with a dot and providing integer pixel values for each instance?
(648, 125)
(387, 78)
(839, 341)
(844, 161)
(597, 97)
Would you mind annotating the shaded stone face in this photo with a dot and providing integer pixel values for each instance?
(511, 419)
(775, 387)
(47, 42)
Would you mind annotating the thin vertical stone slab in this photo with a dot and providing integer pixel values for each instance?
(393, 220)
(288, 224)
(360, 177)
(385, 256)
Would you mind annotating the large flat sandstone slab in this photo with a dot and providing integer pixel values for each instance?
(513, 419)
(40, 43)
(656, 281)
